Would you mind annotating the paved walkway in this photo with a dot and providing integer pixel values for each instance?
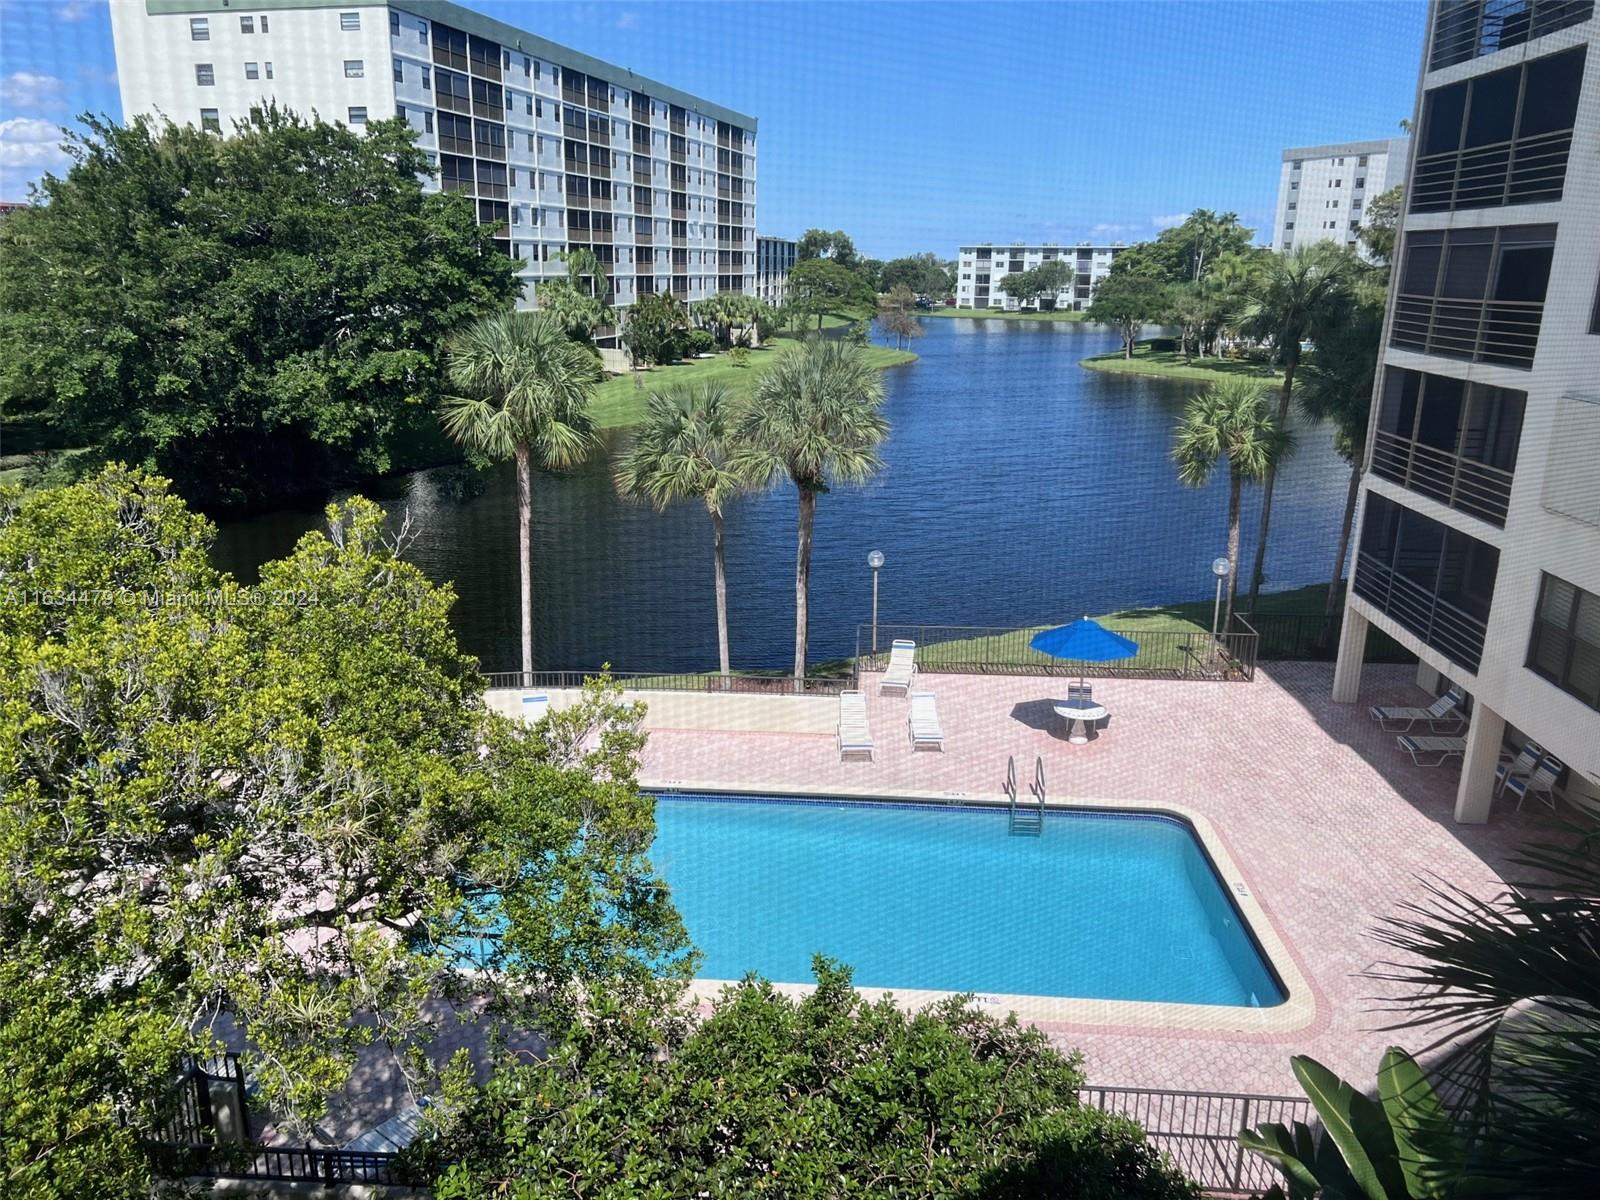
(1327, 821)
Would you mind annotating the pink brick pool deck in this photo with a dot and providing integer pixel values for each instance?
(1329, 823)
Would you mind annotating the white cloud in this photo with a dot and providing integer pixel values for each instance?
(627, 20)
(28, 148)
(1108, 228)
(1169, 221)
(29, 89)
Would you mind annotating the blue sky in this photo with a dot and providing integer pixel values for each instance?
(919, 126)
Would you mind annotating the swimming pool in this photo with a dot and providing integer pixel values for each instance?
(1103, 905)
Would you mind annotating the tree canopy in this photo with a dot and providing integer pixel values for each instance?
(1186, 253)
(819, 286)
(256, 317)
(830, 1095)
(1126, 302)
(820, 243)
(924, 274)
(287, 808)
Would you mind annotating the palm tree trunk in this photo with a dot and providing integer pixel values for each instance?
(717, 542)
(524, 554)
(1344, 535)
(1235, 487)
(1267, 483)
(802, 577)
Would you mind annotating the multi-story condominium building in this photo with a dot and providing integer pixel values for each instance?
(981, 267)
(775, 257)
(1479, 545)
(557, 150)
(1322, 190)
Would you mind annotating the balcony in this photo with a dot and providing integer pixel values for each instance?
(1524, 171)
(1492, 331)
(1467, 29)
(1452, 631)
(1474, 488)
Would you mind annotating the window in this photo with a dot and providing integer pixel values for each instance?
(204, 75)
(354, 68)
(1565, 646)
(210, 121)
(350, 22)
(263, 22)
(199, 29)
(427, 122)
(399, 71)
(427, 79)
(400, 111)
(269, 70)
(252, 70)
(1467, 29)
(394, 23)
(529, 100)
(1361, 181)
(1476, 294)
(1361, 162)
(247, 24)
(358, 115)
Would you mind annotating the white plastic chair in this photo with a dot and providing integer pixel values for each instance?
(855, 737)
(902, 668)
(923, 722)
(1542, 783)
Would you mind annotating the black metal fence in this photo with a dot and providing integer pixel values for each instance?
(979, 650)
(1314, 637)
(744, 684)
(1200, 1130)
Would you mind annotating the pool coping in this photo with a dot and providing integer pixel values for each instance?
(1298, 1011)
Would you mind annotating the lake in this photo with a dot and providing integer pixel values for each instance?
(1018, 489)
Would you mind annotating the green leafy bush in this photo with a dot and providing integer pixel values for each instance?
(830, 1095)
(700, 341)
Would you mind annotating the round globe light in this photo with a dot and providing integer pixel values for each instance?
(1219, 567)
(875, 559)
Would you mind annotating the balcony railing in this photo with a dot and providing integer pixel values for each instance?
(1464, 484)
(1496, 331)
(1467, 29)
(1522, 171)
(1450, 630)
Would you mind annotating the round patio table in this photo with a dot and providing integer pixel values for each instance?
(1079, 710)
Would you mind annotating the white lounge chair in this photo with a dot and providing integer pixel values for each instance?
(902, 668)
(1519, 767)
(1444, 747)
(924, 723)
(1542, 783)
(1446, 708)
(854, 736)
(534, 707)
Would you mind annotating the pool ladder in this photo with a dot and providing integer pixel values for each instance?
(1026, 818)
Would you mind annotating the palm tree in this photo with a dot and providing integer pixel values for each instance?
(523, 390)
(1231, 419)
(816, 418)
(683, 451)
(1299, 291)
(1338, 387)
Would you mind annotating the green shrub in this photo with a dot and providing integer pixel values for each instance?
(830, 1095)
(739, 356)
(700, 341)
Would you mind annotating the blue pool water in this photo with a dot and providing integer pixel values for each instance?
(1102, 905)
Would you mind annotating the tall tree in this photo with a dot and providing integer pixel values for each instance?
(923, 273)
(256, 317)
(820, 243)
(820, 286)
(683, 451)
(649, 325)
(285, 808)
(1022, 286)
(897, 315)
(577, 303)
(1382, 223)
(1126, 302)
(1232, 419)
(1054, 277)
(816, 420)
(1298, 295)
(522, 391)
(1337, 386)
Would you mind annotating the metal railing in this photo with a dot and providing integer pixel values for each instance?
(1450, 630)
(1497, 331)
(1200, 1130)
(1467, 29)
(746, 684)
(981, 650)
(1474, 488)
(1515, 171)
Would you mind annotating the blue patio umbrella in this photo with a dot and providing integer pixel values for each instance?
(1084, 641)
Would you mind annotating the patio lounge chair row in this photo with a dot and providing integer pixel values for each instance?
(855, 737)
(1529, 772)
(1446, 710)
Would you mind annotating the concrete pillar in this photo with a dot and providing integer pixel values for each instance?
(1352, 652)
(1475, 793)
(1427, 678)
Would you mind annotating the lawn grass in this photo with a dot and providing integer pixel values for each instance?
(1169, 364)
(621, 401)
(993, 314)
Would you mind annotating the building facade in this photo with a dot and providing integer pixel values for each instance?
(557, 150)
(1479, 543)
(775, 258)
(981, 267)
(1323, 190)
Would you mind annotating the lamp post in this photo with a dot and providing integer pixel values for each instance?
(1220, 568)
(875, 561)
